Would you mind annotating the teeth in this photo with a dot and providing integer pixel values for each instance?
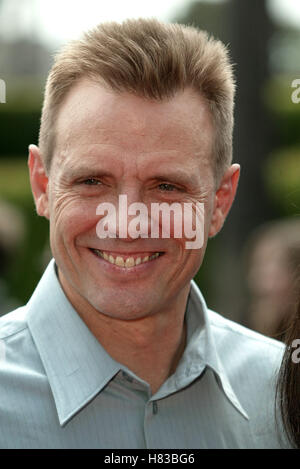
(119, 261)
(129, 262)
(154, 256)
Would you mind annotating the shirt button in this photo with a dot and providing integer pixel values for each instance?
(127, 377)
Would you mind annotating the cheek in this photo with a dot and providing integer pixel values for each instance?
(191, 261)
(72, 216)
(184, 220)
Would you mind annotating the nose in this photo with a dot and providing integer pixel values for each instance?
(132, 215)
(128, 218)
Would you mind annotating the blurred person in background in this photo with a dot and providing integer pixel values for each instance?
(288, 386)
(272, 259)
(116, 347)
(11, 235)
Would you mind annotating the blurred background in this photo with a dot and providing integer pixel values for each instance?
(249, 268)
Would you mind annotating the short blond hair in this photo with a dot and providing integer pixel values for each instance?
(150, 59)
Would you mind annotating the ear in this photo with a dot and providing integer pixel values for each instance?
(224, 198)
(38, 181)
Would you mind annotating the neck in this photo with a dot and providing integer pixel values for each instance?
(150, 346)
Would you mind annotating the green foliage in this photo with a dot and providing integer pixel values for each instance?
(282, 177)
(14, 180)
(285, 113)
(20, 116)
(18, 129)
(19, 126)
(26, 264)
(282, 168)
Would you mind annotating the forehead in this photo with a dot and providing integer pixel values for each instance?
(94, 115)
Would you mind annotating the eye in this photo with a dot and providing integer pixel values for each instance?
(91, 182)
(167, 187)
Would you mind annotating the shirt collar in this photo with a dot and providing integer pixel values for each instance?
(76, 364)
(206, 347)
(78, 367)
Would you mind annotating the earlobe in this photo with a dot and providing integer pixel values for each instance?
(38, 181)
(224, 198)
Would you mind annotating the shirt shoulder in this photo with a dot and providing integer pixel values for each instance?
(252, 361)
(12, 323)
(228, 327)
(244, 347)
(18, 351)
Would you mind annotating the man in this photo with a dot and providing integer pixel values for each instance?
(116, 348)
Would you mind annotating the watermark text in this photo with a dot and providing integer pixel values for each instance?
(164, 220)
(296, 352)
(2, 92)
(295, 96)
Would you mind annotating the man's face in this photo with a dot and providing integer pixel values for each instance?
(109, 145)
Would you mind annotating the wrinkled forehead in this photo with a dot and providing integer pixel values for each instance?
(91, 111)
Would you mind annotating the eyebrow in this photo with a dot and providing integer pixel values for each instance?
(83, 171)
(180, 177)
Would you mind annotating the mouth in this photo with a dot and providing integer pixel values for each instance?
(127, 260)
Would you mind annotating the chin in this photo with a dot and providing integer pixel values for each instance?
(124, 307)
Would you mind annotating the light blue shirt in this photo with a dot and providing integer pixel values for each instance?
(60, 389)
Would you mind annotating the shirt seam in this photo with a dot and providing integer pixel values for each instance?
(3, 337)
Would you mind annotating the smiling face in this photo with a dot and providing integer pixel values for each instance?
(109, 145)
